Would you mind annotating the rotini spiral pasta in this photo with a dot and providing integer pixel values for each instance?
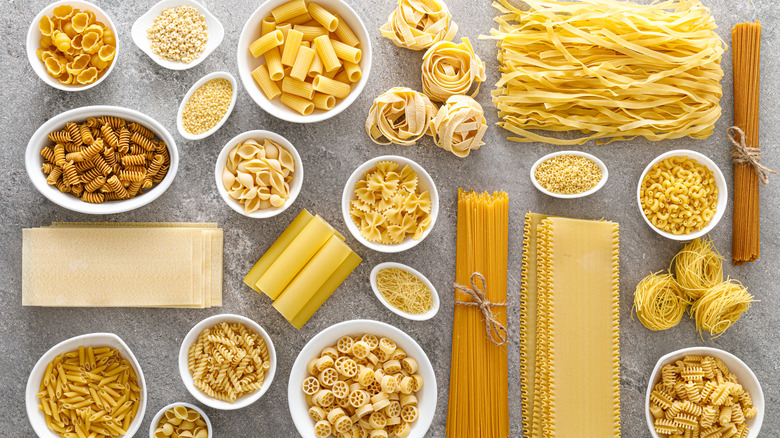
(451, 69)
(459, 126)
(418, 24)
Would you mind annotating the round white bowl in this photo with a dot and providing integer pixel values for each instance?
(36, 416)
(34, 160)
(34, 37)
(602, 166)
(425, 183)
(216, 33)
(247, 63)
(180, 115)
(190, 339)
(744, 374)
(328, 337)
(158, 417)
(411, 316)
(720, 181)
(295, 184)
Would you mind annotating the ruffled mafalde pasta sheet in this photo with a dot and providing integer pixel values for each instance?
(612, 70)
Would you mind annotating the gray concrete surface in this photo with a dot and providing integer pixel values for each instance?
(330, 151)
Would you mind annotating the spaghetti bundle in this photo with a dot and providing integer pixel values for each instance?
(478, 398)
(746, 55)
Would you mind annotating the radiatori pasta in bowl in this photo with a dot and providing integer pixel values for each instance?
(682, 194)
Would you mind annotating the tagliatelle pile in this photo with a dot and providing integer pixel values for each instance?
(449, 69)
(418, 24)
(459, 126)
(400, 115)
(609, 69)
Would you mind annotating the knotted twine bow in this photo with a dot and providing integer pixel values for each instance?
(495, 330)
(741, 153)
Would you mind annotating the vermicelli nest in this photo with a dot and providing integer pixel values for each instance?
(720, 307)
(698, 267)
(659, 302)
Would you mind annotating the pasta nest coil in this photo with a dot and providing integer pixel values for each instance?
(459, 126)
(659, 302)
(400, 115)
(418, 24)
(720, 307)
(449, 69)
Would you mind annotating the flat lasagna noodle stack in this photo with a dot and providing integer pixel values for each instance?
(113, 264)
(570, 328)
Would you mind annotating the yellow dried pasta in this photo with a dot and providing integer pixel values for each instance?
(258, 173)
(404, 290)
(418, 24)
(449, 69)
(181, 421)
(401, 116)
(459, 125)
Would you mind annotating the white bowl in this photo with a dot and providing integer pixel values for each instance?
(34, 160)
(602, 166)
(190, 339)
(247, 63)
(36, 416)
(158, 417)
(720, 181)
(34, 36)
(180, 116)
(214, 28)
(425, 182)
(295, 184)
(328, 337)
(414, 317)
(744, 374)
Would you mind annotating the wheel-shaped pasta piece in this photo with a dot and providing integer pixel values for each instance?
(402, 430)
(330, 351)
(409, 413)
(379, 373)
(347, 368)
(355, 386)
(324, 362)
(381, 404)
(335, 414)
(418, 382)
(311, 366)
(392, 366)
(343, 424)
(406, 386)
(358, 398)
(365, 376)
(343, 403)
(393, 410)
(377, 420)
(328, 377)
(340, 389)
(373, 359)
(360, 350)
(374, 388)
(364, 410)
(344, 344)
(324, 398)
(409, 365)
(389, 384)
(409, 400)
(310, 385)
(378, 433)
(387, 346)
(322, 429)
(371, 340)
(317, 413)
(398, 354)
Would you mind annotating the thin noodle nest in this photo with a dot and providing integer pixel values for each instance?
(659, 302)
(720, 307)
(698, 267)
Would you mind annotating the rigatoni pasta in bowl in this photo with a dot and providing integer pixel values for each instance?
(304, 61)
(93, 377)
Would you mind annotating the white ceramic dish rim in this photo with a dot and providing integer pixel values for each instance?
(33, 160)
(434, 294)
(34, 35)
(757, 396)
(602, 182)
(280, 111)
(138, 33)
(35, 416)
(349, 195)
(295, 186)
(720, 181)
(161, 412)
(190, 338)
(328, 336)
(180, 115)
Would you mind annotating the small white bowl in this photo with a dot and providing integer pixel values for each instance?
(720, 181)
(295, 184)
(414, 317)
(216, 33)
(36, 416)
(328, 337)
(247, 63)
(158, 417)
(190, 339)
(425, 183)
(34, 36)
(744, 374)
(180, 116)
(602, 166)
(34, 161)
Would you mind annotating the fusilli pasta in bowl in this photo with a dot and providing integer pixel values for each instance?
(227, 361)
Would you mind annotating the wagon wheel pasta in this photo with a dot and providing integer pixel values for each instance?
(418, 24)
(459, 126)
(449, 69)
(658, 301)
(400, 115)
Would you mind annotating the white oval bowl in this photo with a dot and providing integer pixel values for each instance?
(744, 374)
(190, 339)
(156, 419)
(425, 182)
(34, 160)
(247, 63)
(216, 33)
(720, 181)
(34, 36)
(295, 184)
(411, 316)
(602, 166)
(180, 115)
(36, 416)
(328, 337)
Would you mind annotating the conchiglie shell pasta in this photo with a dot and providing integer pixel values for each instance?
(254, 176)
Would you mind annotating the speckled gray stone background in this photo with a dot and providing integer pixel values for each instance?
(331, 150)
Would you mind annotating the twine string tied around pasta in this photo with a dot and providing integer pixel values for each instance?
(741, 153)
(495, 330)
